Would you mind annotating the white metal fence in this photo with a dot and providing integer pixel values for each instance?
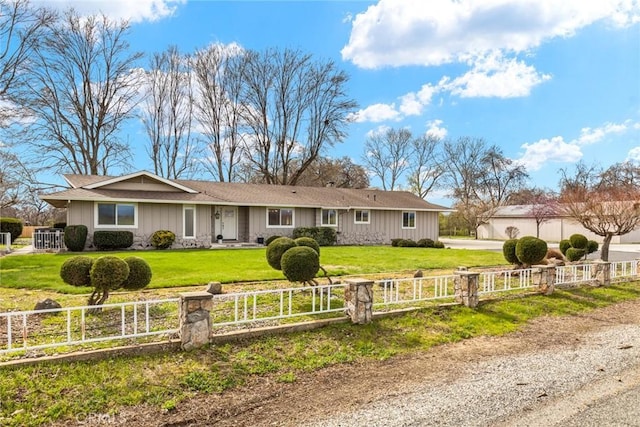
(399, 291)
(507, 280)
(260, 306)
(34, 330)
(5, 241)
(48, 240)
(624, 269)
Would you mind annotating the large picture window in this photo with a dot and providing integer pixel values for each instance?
(361, 216)
(329, 217)
(408, 219)
(116, 215)
(280, 217)
(189, 225)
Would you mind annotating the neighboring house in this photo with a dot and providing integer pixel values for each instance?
(198, 211)
(554, 229)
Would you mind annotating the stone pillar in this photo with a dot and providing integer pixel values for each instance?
(466, 288)
(195, 321)
(358, 300)
(602, 272)
(546, 279)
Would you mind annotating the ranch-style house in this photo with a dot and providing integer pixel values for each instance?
(200, 212)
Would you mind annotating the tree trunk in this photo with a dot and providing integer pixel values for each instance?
(604, 252)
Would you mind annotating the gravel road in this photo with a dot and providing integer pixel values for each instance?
(594, 381)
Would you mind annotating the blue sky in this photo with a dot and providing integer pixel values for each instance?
(550, 82)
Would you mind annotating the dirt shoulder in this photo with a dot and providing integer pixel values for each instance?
(344, 388)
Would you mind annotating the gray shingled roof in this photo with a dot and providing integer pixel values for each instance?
(225, 193)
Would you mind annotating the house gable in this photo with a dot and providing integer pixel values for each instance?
(140, 181)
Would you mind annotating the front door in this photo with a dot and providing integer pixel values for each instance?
(229, 222)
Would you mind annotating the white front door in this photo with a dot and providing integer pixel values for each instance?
(229, 222)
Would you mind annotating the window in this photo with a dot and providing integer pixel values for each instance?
(361, 216)
(329, 217)
(409, 219)
(189, 222)
(116, 215)
(280, 217)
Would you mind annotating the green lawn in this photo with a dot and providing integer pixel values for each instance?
(194, 267)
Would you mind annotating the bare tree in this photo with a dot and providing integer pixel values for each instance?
(340, 173)
(219, 71)
(167, 115)
(601, 207)
(425, 165)
(295, 107)
(11, 186)
(543, 208)
(387, 156)
(81, 90)
(21, 30)
(481, 178)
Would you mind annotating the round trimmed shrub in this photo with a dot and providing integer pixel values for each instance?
(300, 264)
(592, 246)
(75, 271)
(578, 241)
(425, 243)
(564, 245)
(530, 250)
(308, 242)
(163, 239)
(75, 237)
(574, 254)
(407, 243)
(12, 226)
(108, 272)
(276, 249)
(271, 239)
(509, 251)
(394, 242)
(438, 244)
(139, 273)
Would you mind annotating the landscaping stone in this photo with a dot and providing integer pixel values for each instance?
(418, 273)
(47, 304)
(214, 288)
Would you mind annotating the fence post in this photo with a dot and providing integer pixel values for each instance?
(547, 280)
(603, 272)
(358, 296)
(195, 321)
(466, 288)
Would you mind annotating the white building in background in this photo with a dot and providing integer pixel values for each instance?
(553, 229)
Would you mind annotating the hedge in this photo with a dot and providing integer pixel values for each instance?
(75, 237)
(325, 236)
(12, 226)
(110, 240)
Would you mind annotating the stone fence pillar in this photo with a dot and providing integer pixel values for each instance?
(195, 320)
(546, 278)
(358, 296)
(466, 288)
(602, 272)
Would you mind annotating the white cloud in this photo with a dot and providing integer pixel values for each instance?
(380, 130)
(134, 11)
(495, 76)
(634, 154)
(413, 103)
(375, 113)
(549, 150)
(591, 136)
(416, 32)
(436, 129)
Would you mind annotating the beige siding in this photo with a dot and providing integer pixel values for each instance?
(257, 217)
(141, 183)
(80, 213)
(384, 226)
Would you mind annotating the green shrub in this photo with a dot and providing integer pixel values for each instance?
(407, 243)
(60, 225)
(575, 254)
(438, 244)
(425, 243)
(394, 242)
(530, 250)
(564, 245)
(276, 249)
(139, 273)
(325, 236)
(110, 240)
(108, 272)
(163, 239)
(75, 237)
(271, 239)
(309, 242)
(592, 246)
(75, 271)
(300, 264)
(12, 226)
(509, 251)
(578, 241)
